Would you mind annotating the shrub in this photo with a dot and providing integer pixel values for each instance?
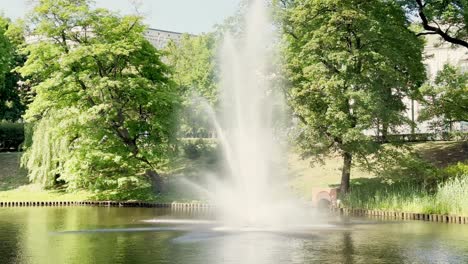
(195, 148)
(11, 135)
(407, 167)
(459, 136)
(456, 171)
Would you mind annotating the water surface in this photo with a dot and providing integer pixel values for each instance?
(146, 235)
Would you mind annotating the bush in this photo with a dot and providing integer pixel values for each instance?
(11, 135)
(459, 136)
(195, 148)
(456, 171)
(408, 167)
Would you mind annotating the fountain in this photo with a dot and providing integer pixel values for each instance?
(254, 191)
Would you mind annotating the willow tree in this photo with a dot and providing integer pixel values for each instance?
(349, 63)
(103, 90)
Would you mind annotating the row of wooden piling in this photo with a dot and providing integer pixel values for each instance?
(102, 204)
(456, 219)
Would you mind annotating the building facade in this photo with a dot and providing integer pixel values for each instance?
(437, 54)
(160, 38)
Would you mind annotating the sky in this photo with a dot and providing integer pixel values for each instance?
(186, 16)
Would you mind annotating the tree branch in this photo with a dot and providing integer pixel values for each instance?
(437, 30)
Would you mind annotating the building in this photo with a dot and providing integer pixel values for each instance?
(437, 54)
(160, 38)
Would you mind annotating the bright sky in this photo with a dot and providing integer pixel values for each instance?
(188, 16)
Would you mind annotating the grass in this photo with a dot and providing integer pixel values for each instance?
(303, 176)
(450, 197)
(442, 154)
(11, 175)
(14, 185)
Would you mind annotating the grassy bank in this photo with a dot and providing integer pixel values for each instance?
(368, 191)
(15, 186)
(450, 197)
(442, 188)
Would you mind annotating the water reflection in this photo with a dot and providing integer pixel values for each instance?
(348, 248)
(120, 235)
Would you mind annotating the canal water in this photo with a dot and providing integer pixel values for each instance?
(147, 235)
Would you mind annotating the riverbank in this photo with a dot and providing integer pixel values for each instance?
(450, 197)
(368, 191)
(392, 215)
(437, 183)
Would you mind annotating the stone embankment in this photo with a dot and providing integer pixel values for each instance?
(103, 204)
(455, 219)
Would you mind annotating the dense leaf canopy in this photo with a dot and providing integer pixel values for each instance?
(445, 18)
(11, 37)
(350, 64)
(446, 99)
(104, 104)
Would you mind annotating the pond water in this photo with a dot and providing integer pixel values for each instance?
(147, 235)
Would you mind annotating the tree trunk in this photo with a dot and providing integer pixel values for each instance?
(346, 172)
(156, 181)
(384, 131)
(413, 121)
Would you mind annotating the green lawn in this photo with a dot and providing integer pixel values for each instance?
(303, 176)
(14, 185)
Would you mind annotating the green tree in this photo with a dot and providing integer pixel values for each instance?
(445, 18)
(194, 64)
(104, 105)
(350, 63)
(11, 38)
(446, 99)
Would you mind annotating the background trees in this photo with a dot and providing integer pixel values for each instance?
(11, 104)
(446, 100)
(103, 113)
(194, 65)
(350, 63)
(445, 18)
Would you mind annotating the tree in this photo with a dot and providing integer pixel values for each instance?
(445, 18)
(104, 106)
(349, 64)
(11, 38)
(193, 61)
(447, 98)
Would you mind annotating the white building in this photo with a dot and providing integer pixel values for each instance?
(437, 54)
(160, 38)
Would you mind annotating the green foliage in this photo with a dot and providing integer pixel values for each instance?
(193, 149)
(104, 106)
(11, 37)
(350, 63)
(193, 60)
(445, 18)
(446, 101)
(451, 197)
(406, 167)
(458, 170)
(11, 135)
(46, 155)
(194, 64)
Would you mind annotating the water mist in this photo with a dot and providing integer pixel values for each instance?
(253, 191)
